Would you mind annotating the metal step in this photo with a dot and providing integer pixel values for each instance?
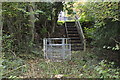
(71, 29)
(75, 38)
(72, 32)
(73, 35)
(76, 45)
(77, 49)
(70, 23)
(76, 42)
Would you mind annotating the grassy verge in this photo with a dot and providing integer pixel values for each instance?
(82, 65)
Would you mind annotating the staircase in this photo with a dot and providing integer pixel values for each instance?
(73, 34)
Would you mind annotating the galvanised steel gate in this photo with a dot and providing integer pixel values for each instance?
(57, 48)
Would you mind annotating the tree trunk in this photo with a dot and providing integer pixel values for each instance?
(30, 37)
(32, 21)
(1, 54)
(119, 10)
(53, 20)
(1, 26)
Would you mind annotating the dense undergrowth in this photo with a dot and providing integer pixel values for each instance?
(82, 65)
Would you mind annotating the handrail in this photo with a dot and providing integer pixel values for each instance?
(80, 31)
(57, 44)
(56, 38)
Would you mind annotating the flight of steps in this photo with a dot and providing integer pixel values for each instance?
(73, 34)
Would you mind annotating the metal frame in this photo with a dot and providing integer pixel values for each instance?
(53, 50)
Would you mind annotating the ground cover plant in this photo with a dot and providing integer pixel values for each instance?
(86, 65)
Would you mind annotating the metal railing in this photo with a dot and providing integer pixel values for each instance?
(80, 31)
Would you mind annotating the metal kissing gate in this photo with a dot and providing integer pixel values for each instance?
(57, 48)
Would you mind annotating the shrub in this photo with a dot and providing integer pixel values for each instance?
(106, 70)
(60, 23)
(13, 67)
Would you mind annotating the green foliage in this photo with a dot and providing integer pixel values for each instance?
(107, 70)
(106, 30)
(101, 10)
(1, 67)
(17, 39)
(60, 22)
(7, 43)
(117, 47)
(15, 27)
(69, 7)
(85, 17)
(89, 32)
(43, 30)
(13, 67)
(82, 65)
(18, 33)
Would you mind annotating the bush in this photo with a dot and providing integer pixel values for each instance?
(106, 70)
(60, 23)
(13, 67)
(1, 67)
